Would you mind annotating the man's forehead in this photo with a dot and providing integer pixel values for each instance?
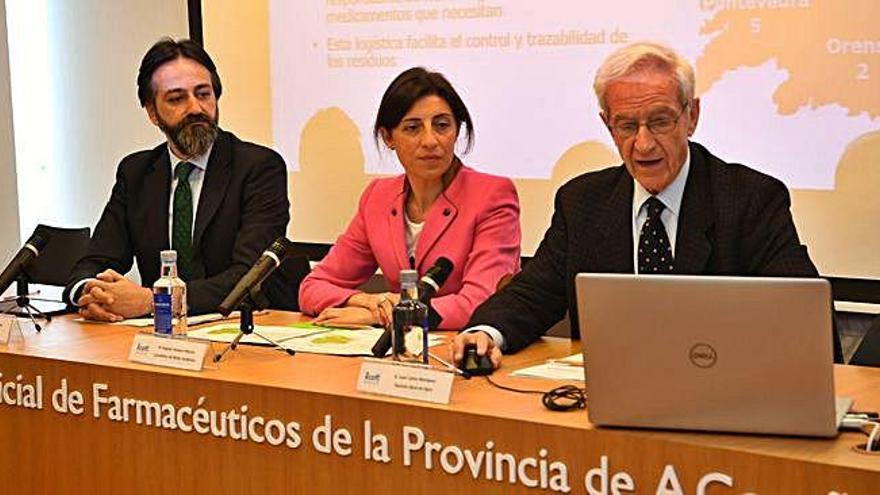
(180, 74)
(647, 110)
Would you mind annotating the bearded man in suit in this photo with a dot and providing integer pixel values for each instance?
(218, 201)
(672, 207)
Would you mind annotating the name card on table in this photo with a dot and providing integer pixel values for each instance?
(405, 380)
(9, 329)
(170, 352)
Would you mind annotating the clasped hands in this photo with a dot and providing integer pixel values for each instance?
(112, 297)
(361, 309)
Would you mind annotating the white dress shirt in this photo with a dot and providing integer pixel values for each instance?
(196, 179)
(671, 199)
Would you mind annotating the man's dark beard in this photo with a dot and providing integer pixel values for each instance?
(191, 140)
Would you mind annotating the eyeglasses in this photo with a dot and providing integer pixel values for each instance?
(661, 124)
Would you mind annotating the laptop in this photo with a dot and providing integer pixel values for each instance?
(734, 354)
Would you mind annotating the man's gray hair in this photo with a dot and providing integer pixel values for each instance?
(643, 56)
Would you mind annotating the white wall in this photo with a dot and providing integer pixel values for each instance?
(9, 236)
(86, 108)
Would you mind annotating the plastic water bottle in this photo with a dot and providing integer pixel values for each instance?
(169, 298)
(409, 338)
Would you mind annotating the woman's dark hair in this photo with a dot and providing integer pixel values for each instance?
(411, 86)
(166, 50)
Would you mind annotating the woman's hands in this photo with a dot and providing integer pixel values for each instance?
(361, 309)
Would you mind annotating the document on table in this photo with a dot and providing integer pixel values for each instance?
(303, 337)
(567, 368)
(148, 322)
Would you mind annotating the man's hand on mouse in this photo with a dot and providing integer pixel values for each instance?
(485, 347)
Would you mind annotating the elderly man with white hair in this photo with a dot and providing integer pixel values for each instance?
(671, 207)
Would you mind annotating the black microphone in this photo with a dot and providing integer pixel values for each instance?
(268, 262)
(428, 285)
(435, 277)
(22, 259)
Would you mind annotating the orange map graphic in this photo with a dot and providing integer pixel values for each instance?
(830, 49)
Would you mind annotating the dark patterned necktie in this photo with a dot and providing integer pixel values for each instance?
(655, 252)
(182, 220)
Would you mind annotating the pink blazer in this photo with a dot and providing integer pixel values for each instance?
(474, 223)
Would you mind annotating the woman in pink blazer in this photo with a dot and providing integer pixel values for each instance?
(439, 207)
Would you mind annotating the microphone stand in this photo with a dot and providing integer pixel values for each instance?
(246, 324)
(23, 302)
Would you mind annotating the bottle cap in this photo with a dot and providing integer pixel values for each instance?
(168, 256)
(408, 277)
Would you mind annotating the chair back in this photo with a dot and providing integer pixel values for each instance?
(64, 248)
(291, 272)
(868, 353)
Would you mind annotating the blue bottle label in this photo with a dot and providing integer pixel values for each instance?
(425, 339)
(162, 313)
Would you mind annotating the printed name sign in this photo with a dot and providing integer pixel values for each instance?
(169, 352)
(405, 380)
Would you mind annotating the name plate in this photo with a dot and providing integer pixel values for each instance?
(8, 325)
(405, 380)
(169, 352)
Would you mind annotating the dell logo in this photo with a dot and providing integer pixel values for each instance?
(703, 355)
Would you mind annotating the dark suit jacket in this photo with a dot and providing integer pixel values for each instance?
(242, 208)
(733, 221)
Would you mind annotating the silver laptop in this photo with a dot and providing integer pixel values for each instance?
(709, 353)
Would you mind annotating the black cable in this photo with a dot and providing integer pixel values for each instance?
(511, 389)
(564, 398)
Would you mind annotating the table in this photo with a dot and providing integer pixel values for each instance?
(47, 451)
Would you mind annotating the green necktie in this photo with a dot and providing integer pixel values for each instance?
(181, 224)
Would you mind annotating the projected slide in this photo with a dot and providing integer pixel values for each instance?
(786, 85)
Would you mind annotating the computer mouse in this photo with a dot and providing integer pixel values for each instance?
(474, 364)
